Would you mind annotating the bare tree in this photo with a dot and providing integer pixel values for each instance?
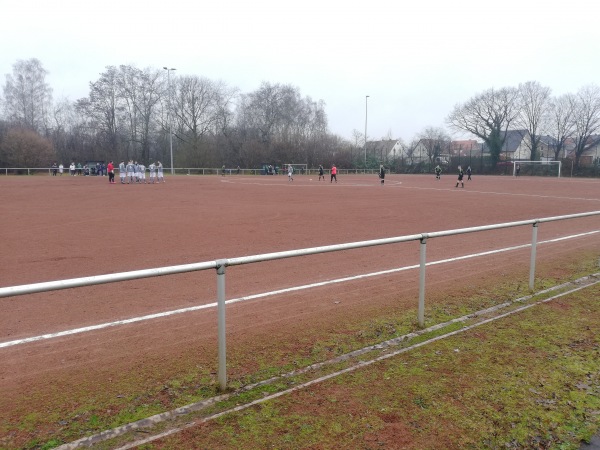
(533, 105)
(27, 96)
(560, 122)
(315, 132)
(266, 110)
(487, 116)
(23, 147)
(201, 109)
(63, 121)
(287, 127)
(586, 115)
(410, 150)
(104, 110)
(127, 80)
(141, 92)
(358, 138)
(435, 140)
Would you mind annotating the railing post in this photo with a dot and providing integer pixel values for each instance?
(423, 259)
(222, 373)
(533, 254)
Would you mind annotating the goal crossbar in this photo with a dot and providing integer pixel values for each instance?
(534, 163)
(298, 168)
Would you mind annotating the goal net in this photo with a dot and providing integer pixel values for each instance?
(299, 169)
(537, 168)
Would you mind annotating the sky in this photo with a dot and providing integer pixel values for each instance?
(415, 60)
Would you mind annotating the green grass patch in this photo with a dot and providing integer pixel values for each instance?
(531, 381)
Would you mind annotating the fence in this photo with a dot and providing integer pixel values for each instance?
(221, 265)
(584, 171)
(187, 171)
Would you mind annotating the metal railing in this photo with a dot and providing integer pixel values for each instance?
(188, 171)
(221, 264)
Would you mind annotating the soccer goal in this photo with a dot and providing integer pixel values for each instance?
(537, 168)
(299, 169)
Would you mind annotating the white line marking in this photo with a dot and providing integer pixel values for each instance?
(513, 194)
(273, 293)
(358, 365)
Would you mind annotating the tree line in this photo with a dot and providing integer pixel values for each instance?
(568, 119)
(133, 113)
(130, 113)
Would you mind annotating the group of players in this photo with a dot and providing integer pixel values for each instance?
(134, 172)
(461, 174)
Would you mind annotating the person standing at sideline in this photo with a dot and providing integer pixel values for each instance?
(122, 172)
(61, 168)
(290, 172)
(321, 174)
(160, 175)
(468, 173)
(54, 169)
(111, 172)
(382, 174)
(130, 172)
(138, 175)
(460, 177)
(333, 174)
(72, 169)
(142, 172)
(152, 169)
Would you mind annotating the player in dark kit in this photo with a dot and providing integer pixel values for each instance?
(438, 172)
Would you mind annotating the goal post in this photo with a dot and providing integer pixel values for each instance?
(537, 168)
(299, 169)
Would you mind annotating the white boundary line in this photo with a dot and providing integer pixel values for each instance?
(144, 423)
(402, 184)
(272, 293)
(511, 194)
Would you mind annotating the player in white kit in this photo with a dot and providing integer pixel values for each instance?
(122, 172)
(160, 176)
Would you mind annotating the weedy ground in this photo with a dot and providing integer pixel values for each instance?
(527, 380)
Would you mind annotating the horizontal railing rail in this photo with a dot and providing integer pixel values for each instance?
(190, 171)
(221, 264)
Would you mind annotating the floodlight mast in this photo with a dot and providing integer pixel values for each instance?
(169, 118)
(366, 113)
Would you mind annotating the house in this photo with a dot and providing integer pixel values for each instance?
(424, 150)
(517, 146)
(547, 148)
(590, 156)
(384, 150)
(464, 147)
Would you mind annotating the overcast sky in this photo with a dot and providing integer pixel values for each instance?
(415, 59)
